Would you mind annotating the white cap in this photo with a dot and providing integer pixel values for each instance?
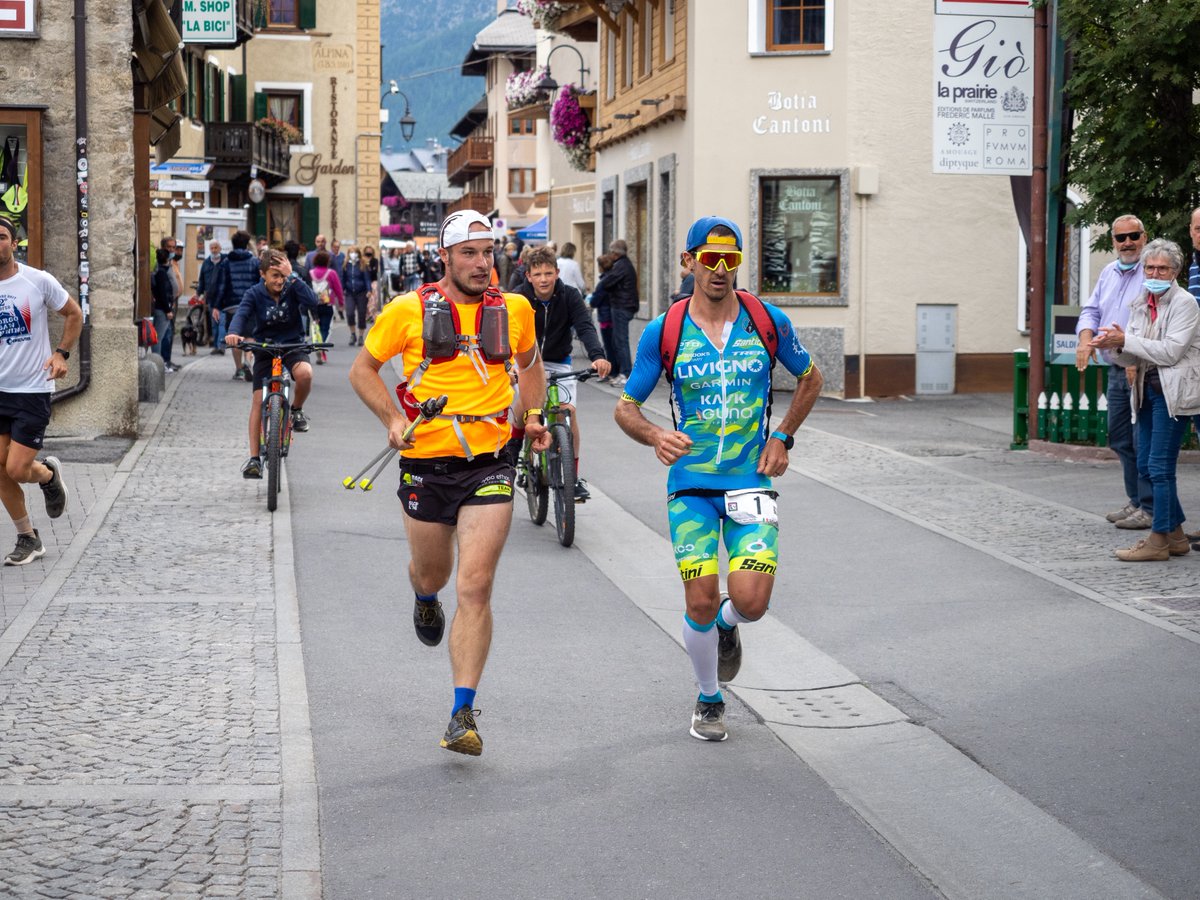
(457, 228)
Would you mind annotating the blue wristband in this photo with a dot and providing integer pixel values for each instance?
(787, 439)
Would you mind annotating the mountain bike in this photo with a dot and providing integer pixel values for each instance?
(275, 438)
(553, 469)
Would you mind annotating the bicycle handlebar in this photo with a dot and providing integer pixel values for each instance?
(281, 349)
(581, 375)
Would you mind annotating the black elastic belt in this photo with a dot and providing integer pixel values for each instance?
(444, 465)
(712, 492)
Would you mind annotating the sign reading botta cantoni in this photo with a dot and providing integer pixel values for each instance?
(983, 87)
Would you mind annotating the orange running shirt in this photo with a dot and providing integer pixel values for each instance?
(397, 332)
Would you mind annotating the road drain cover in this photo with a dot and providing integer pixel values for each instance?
(850, 706)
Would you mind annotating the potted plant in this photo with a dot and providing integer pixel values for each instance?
(543, 13)
(286, 131)
(521, 88)
(569, 127)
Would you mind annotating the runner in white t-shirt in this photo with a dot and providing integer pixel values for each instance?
(28, 368)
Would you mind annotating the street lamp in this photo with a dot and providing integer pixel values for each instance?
(407, 122)
(429, 197)
(547, 83)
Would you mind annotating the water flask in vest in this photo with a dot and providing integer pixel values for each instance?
(437, 328)
(493, 333)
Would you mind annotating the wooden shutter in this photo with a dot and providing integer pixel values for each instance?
(237, 98)
(260, 218)
(310, 220)
(308, 13)
(260, 105)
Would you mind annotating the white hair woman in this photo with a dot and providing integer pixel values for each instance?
(1162, 348)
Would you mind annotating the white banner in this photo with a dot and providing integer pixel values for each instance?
(982, 95)
(1021, 8)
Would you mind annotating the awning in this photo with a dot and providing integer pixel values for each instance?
(156, 51)
(534, 232)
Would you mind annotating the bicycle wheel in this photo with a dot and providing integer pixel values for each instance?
(274, 449)
(562, 480)
(536, 489)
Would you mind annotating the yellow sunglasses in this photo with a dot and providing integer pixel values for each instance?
(710, 259)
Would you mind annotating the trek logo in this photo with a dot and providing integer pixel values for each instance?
(15, 321)
(754, 565)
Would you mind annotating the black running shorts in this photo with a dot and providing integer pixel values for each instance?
(262, 365)
(433, 490)
(24, 417)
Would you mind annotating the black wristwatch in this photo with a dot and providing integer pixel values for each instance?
(787, 439)
(66, 354)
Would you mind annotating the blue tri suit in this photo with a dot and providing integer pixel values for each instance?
(721, 397)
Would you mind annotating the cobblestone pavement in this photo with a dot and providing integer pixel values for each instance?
(141, 747)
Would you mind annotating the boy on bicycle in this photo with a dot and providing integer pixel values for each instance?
(558, 309)
(274, 306)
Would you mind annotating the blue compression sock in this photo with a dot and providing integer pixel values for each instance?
(422, 598)
(712, 698)
(463, 697)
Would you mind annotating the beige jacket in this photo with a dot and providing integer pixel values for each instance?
(1171, 342)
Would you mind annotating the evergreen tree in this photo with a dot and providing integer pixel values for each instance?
(1136, 143)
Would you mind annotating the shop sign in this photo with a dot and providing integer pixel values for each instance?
(792, 113)
(18, 18)
(172, 168)
(209, 22)
(983, 90)
(332, 57)
(1010, 8)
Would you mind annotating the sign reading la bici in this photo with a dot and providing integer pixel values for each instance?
(209, 22)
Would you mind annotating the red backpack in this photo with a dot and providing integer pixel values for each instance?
(764, 327)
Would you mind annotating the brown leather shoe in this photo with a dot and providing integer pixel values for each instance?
(1180, 547)
(1144, 551)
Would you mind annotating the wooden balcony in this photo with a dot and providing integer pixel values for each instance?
(236, 146)
(478, 201)
(474, 155)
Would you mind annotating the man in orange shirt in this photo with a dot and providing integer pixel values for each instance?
(455, 481)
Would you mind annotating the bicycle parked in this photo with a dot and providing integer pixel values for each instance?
(275, 437)
(553, 469)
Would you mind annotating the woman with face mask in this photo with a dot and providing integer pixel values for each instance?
(356, 283)
(1162, 347)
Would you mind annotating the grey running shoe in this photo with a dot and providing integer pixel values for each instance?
(582, 494)
(429, 621)
(29, 547)
(462, 734)
(54, 491)
(299, 420)
(1117, 515)
(708, 721)
(1136, 521)
(252, 468)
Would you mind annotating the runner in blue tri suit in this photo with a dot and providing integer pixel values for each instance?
(722, 455)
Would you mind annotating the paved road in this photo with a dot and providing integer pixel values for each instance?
(959, 692)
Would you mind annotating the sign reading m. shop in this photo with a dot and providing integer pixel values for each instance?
(983, 87)
(209, 22)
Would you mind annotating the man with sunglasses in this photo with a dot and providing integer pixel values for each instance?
(722, 455)
(1119, 283)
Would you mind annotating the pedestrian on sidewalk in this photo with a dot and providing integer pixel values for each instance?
(204, 290)
(717, 350)
(456, 485)
(1162, 345)
(357, 284)
(162, 289)
(1120, 282)
(28, 369)
(237, 273)
(276, 307)
(619, 287)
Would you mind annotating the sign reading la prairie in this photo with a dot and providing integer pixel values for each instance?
(983, 87)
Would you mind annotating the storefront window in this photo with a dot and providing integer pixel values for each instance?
(799, 236)
(283, 220)
(20, 179)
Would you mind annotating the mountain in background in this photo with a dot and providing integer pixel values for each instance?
(430, 36)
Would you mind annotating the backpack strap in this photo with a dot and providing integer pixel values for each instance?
(668, 347)
(764, 325)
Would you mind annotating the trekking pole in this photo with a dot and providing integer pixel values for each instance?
(429, 409)
(350, 480)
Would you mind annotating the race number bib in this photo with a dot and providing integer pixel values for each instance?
(752, 506)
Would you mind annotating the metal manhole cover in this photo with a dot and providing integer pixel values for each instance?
(847, 706)
(1177, 604)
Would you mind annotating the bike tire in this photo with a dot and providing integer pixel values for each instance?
(536, 490)
(274, 448)
(562, 481)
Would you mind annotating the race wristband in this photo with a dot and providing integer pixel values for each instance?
(531, 412)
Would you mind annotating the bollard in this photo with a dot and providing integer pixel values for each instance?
(1067, 427)
(1102, 421)
(1021, 421)
(1052, 419)
(1084, 419)
(1042, 416)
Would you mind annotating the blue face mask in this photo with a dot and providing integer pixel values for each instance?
(1156, 286)
(1126, 267)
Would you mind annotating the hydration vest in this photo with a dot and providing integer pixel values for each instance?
(489, 344)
